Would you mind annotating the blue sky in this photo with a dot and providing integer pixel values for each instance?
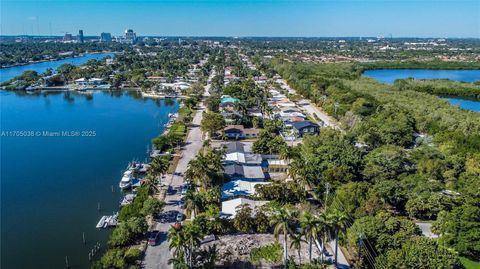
(418, 18)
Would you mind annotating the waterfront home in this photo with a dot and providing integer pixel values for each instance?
(305, 127)
(244, 172)
(231, 207)
(240, 132)
(88, 82)
(237, 188)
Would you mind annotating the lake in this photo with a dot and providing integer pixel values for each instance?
(51, 186)
(11, 72)
(390, 75)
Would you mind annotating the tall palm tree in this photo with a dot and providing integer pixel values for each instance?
(296, 242)
(193, 203)
(178, 262)
(159, 165)
(309, 225)
(151, 183)
(176, 240)
(192, 235)
(282, 219)
(323, 225)
(339, 221)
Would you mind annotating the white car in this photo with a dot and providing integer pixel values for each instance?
(179, 217)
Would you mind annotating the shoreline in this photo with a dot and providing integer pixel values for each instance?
(54, 60)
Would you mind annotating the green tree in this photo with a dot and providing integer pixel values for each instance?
(152, 206)
(282, 219)
(422, 253)
(384, 163)
(212, 122)
(243, 220)
(460, 229)
(309, 225)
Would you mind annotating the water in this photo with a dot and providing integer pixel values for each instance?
(466, 104)
(11, 72)
(390, 75)
(50, 186)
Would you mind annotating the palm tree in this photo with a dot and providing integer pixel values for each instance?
(282, 219)
(309, 224)
(176, 241)
(192, 235)
(151, 183)
(178, 262)
(296, 243)
(193, 203)
(323, 226)
(159, 165)
(339, 221)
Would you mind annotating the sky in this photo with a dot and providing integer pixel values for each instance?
(313, 18)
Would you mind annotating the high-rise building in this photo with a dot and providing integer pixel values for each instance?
(67, 37)
(80, 36)
(130, 36)
(105, 37)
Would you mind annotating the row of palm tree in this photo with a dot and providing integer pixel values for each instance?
(183, 241)
(306, 226)
(158, 166)
(203, 170)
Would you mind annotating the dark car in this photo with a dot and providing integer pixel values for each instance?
(153, 238)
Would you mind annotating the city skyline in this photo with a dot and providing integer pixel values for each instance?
(244, 18)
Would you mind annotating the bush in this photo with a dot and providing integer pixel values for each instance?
(269, 253)
(133, 254)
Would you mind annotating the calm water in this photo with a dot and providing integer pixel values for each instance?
(50, 186)
(390, 75)
(466, 104)
(11, 72)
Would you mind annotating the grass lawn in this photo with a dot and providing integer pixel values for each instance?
(469, 264)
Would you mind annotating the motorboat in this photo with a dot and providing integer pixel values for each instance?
(126, 181)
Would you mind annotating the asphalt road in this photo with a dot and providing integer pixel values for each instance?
(157, 257)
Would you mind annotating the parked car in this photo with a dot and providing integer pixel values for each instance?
(179, 217)
(153, 238)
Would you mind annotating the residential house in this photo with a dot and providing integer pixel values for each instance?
(236, 154)
(244, 172)
(240, 132)
(239, 187)
(231, 207)
(305, 127)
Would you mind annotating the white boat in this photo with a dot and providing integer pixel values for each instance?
(126, 181)
(128, 199)
(101, 222)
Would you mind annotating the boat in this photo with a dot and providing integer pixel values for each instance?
(128, 199)
(126, 181)
(101, 222)
(108, 221)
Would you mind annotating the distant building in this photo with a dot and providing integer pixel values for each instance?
(80, 36)
(130, 36)
(67, 37)
(105, 37)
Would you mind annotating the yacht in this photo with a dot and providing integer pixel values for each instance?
(126, 181)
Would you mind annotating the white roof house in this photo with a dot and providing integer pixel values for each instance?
(230, 207)
(243, 158)
(236, 188)
(247, 172)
